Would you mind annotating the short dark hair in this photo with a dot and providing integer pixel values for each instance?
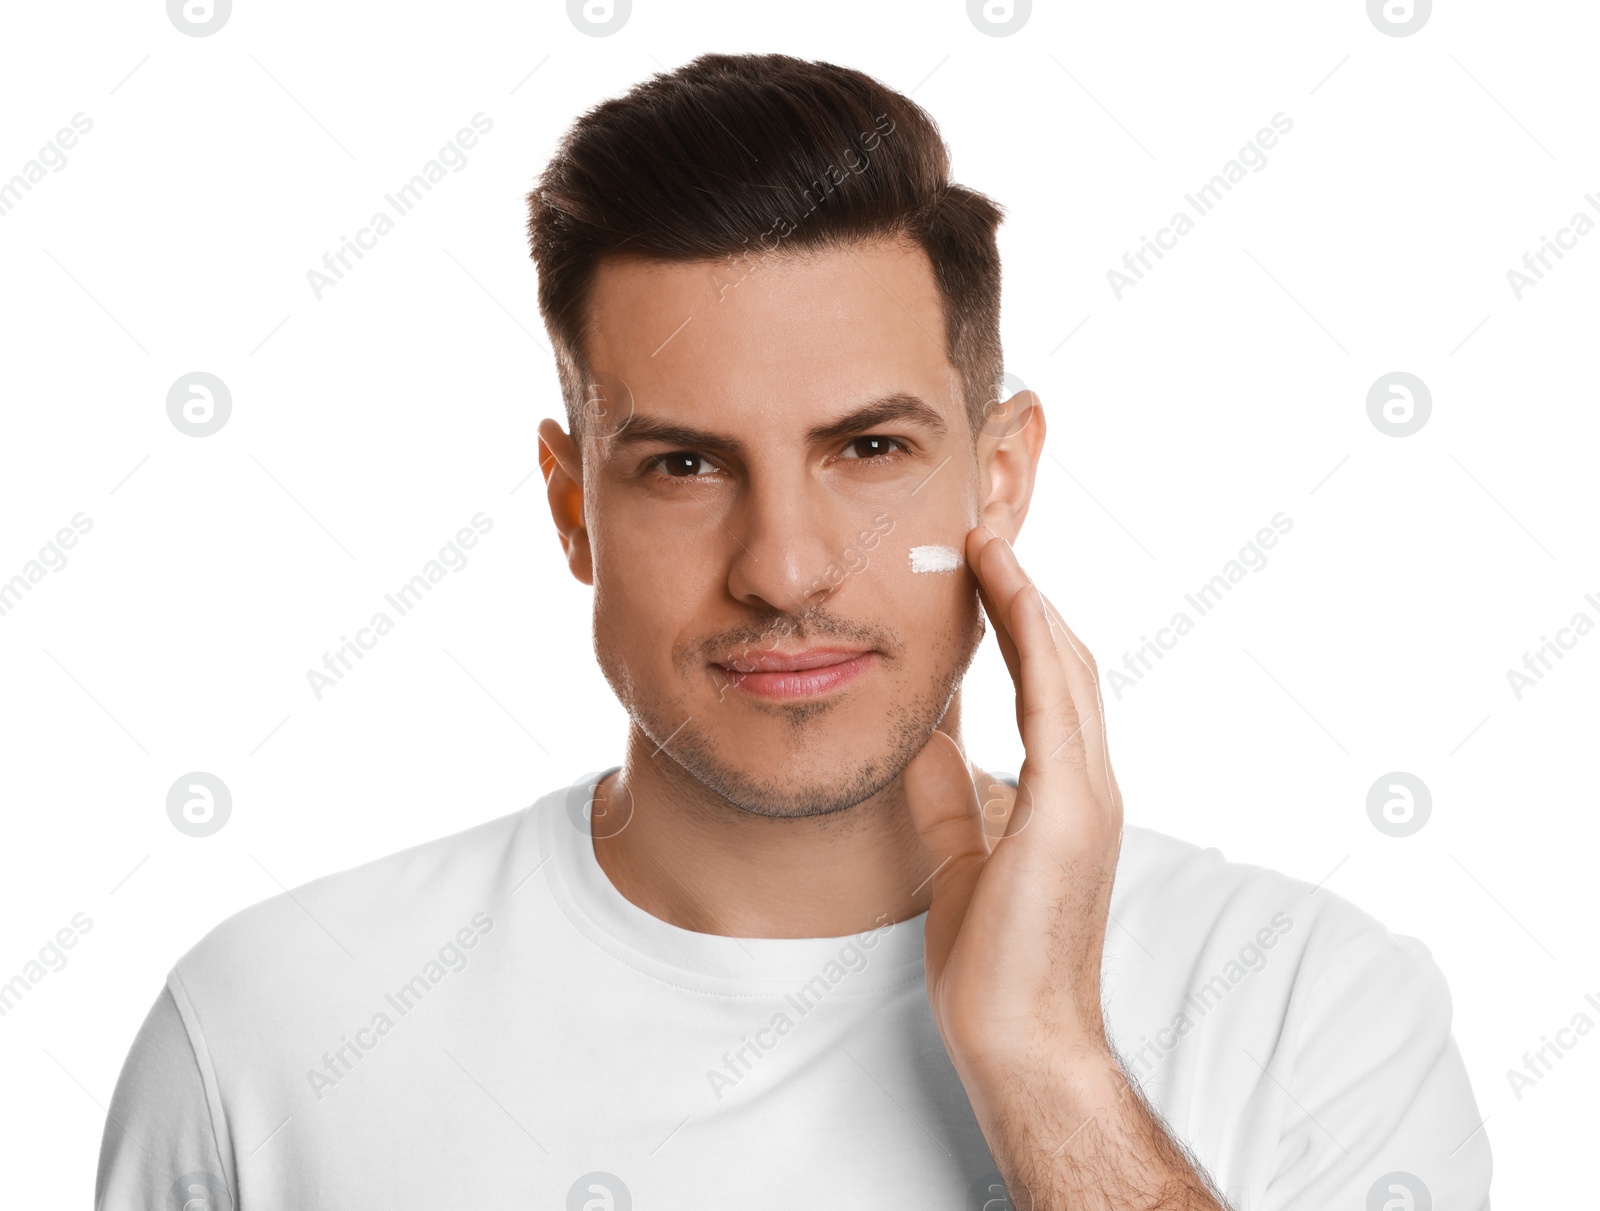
(732, 156)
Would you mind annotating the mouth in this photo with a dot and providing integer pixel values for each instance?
(808, 673)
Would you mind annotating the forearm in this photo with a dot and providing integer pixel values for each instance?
(1067, 1129)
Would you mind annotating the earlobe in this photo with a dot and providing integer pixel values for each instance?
(1010, 460)
(563, 479)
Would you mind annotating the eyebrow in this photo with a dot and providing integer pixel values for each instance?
(899, 406)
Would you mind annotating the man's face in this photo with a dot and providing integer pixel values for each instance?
(782, 450)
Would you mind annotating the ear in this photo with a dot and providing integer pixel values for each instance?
(563, 482)
(1009, 448)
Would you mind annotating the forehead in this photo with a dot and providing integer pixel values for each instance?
(781, 336)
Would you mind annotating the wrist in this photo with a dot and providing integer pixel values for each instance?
(1078, 1069)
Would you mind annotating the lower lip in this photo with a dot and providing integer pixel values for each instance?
(802, 683)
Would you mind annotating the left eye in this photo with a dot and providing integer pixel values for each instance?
(871, 447)
(683, 464)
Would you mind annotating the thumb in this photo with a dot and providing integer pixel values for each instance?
(944, 810)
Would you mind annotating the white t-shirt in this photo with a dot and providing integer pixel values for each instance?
(485, 1021)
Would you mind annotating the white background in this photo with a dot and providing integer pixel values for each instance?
(369, 426)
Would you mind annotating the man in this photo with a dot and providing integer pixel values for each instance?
(796, 951)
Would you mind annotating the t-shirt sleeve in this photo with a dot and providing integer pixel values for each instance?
(161, 1135)
(1377, 1093)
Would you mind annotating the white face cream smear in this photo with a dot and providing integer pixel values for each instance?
(935, 559)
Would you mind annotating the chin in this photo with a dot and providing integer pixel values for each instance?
(793, 785)
(812, 760)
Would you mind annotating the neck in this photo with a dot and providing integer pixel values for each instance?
(691, 858)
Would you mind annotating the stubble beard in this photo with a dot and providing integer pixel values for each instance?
(700, 758)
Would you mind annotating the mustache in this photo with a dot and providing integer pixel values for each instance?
(769, 631)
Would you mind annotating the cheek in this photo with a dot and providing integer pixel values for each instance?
(638, 586)
(651, 589)
(927, 586)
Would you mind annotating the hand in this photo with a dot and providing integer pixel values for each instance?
(1014, 937)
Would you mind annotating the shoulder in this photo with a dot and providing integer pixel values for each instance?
(1266, 958)
(388, 906)
(1231, 984)
(1193, 899)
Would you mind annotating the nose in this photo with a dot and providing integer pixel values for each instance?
(787, 554)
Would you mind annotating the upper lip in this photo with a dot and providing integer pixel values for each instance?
(789, 662)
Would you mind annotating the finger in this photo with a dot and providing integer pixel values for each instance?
(1051, 720)
(1080, 810)
(1085, 742)
(1047, 714)
(1084, 675)
(944, 810)
(1057, 731)
(977, 539)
